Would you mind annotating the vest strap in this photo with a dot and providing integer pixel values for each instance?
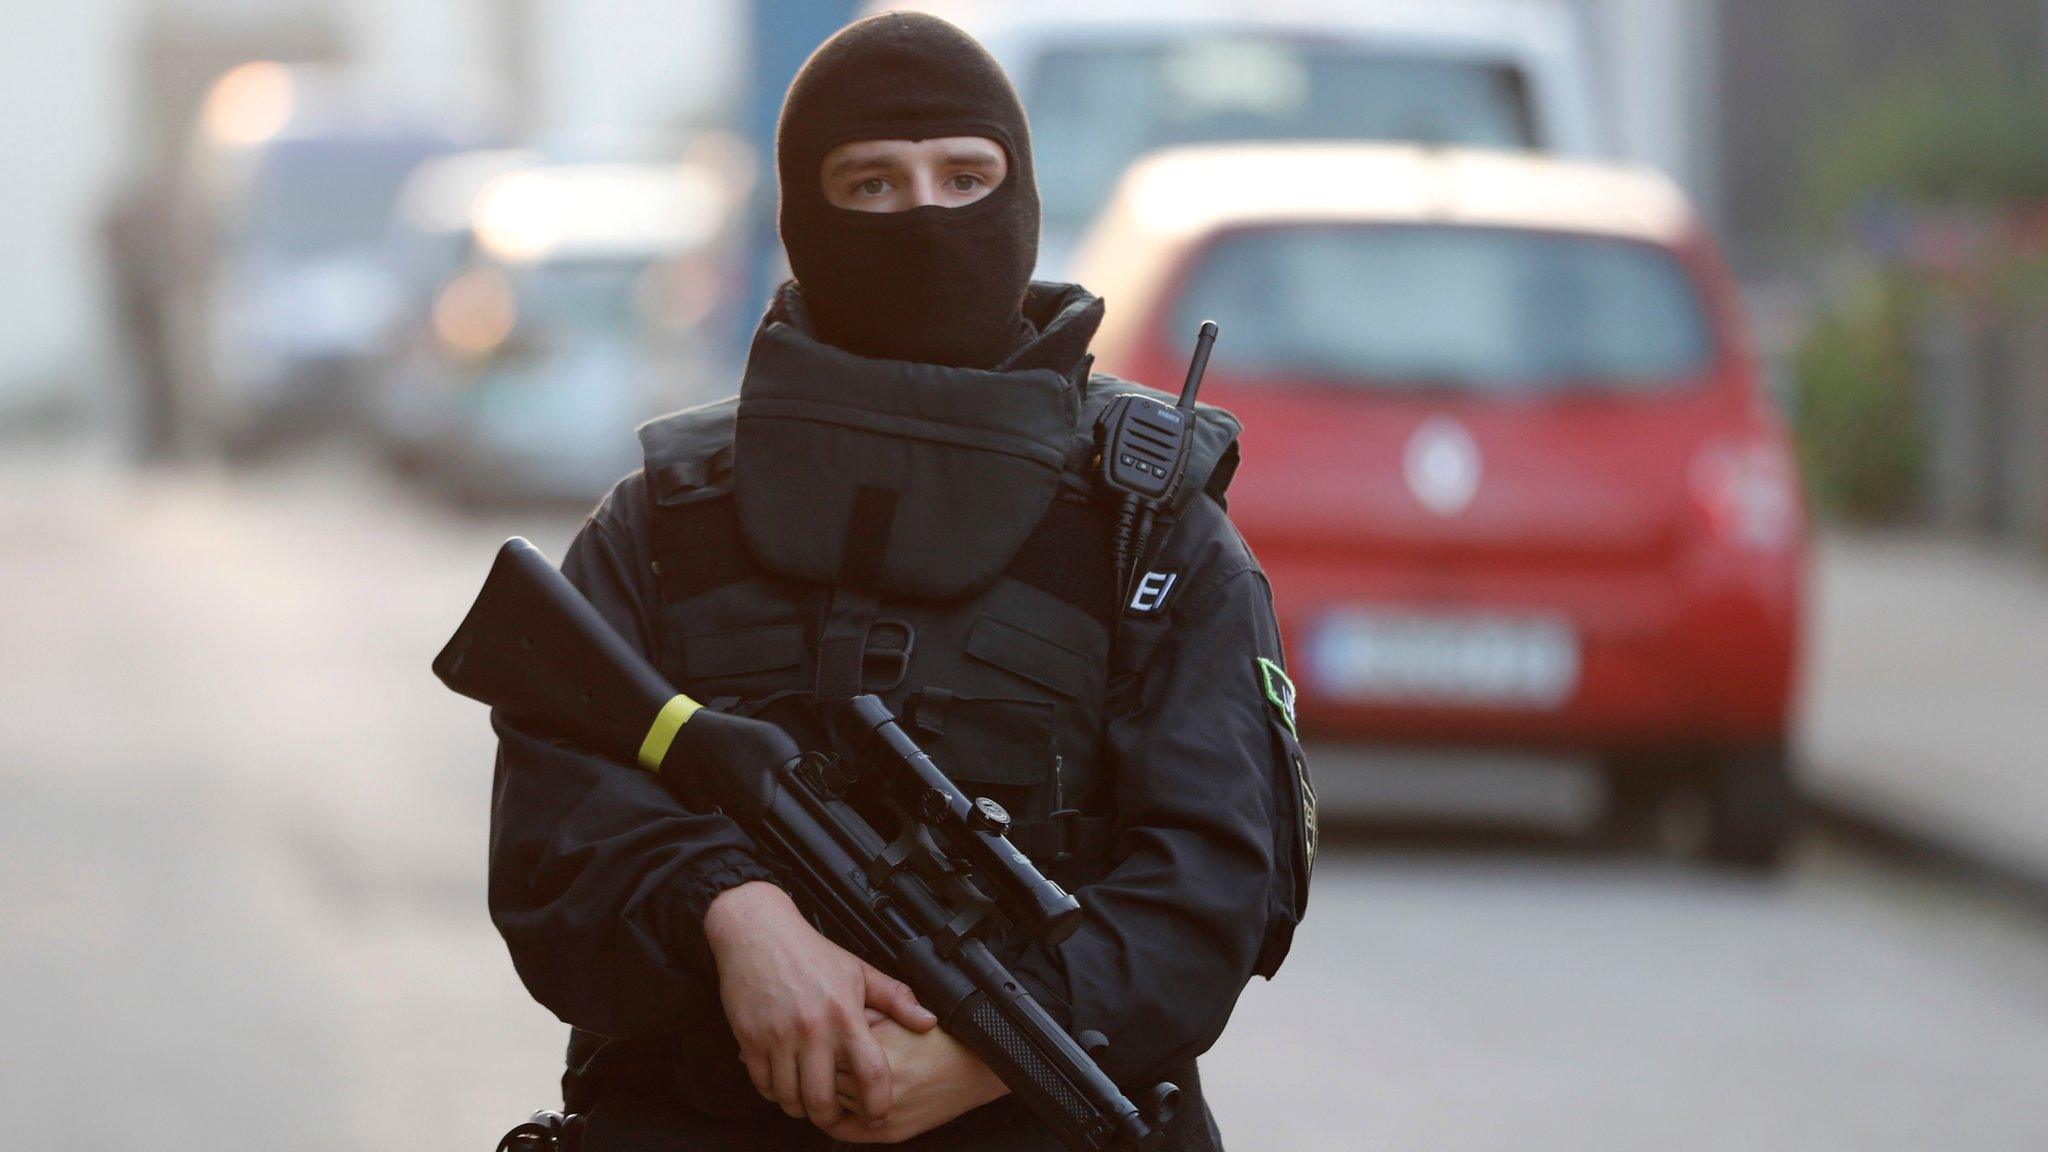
(1074, 837)
(854, 602)
(927, 710)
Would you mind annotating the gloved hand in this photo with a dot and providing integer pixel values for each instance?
(729, 761)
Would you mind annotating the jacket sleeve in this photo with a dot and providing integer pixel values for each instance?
(599, 878)
(1175, 930)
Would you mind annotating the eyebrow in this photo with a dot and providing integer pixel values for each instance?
(849, 165)
(972, 156)
(857, 164)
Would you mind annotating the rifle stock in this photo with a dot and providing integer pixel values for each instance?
(534, 647)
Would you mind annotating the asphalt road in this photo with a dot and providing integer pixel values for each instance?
(242, 891)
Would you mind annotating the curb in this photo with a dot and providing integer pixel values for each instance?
(1902, 840)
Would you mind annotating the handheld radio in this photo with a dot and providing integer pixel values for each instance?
(1142, 447)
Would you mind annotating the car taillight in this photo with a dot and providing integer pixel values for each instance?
(1749, 491)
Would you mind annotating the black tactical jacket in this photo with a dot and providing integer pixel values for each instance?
(1160, 725)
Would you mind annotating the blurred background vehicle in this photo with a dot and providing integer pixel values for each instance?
(1472, 72)
(585, 304)
(429, 238)
(281, 293)
(1518, 481)
(668, 335)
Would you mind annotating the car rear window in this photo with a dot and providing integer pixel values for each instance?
(1456, 308)
(1213, 87)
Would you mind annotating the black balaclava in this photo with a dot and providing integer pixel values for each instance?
(933, 285)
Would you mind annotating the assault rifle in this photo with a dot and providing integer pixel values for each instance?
(917, 903)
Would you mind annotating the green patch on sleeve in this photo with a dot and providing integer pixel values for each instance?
(1279, 692)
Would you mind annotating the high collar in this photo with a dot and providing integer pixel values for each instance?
(848, 469)
(1061, 318)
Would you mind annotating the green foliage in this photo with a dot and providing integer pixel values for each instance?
(1862, 438)
(1937, 173)
(1968, 133)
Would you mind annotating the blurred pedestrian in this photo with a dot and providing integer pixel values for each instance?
(135, 234)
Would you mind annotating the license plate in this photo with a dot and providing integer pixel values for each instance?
(1444, 660)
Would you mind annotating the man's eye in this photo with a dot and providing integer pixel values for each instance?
(966, 182)
(872, 186)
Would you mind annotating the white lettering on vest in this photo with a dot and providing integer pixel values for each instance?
(1150, 595)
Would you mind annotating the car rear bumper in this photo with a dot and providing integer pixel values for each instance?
(1694, 651)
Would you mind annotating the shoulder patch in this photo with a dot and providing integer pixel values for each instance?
(1279, 692)
(1149, 593)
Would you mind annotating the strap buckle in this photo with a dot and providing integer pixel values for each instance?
(885, 657)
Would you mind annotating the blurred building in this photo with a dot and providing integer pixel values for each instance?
(1790, 74)
(96, 96)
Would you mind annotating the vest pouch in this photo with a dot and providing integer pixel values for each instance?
(998, 748)
(964, 462)
(1038, 661)
(740, 661)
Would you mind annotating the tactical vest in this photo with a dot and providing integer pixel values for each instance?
(880, 529)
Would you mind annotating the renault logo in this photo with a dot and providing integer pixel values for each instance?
(1442, 466)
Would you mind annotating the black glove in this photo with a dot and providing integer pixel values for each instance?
(728, 761)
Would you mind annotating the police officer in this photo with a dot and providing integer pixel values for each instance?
(901, 500)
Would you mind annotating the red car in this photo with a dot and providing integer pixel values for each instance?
(1510, 464)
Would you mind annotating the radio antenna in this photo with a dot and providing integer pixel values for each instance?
(1205, 339)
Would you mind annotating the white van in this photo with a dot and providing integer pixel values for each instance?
(1106, 81)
